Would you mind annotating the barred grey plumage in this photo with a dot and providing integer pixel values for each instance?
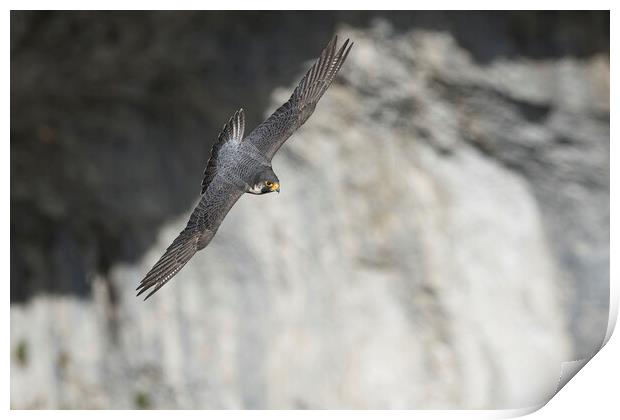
(243, 165)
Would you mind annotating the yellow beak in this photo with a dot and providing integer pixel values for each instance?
(275, 187)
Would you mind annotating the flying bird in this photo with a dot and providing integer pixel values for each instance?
(241, 165)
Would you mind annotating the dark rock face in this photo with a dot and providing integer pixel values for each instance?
(483, 140)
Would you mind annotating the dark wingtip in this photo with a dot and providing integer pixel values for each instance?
(144, 288)
(346, 53)
(144, 285)
(147, 287)
(141, 289)
(344, 48)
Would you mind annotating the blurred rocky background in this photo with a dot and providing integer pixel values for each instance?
(441, 239)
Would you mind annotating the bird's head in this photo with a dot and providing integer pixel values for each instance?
(265, 181)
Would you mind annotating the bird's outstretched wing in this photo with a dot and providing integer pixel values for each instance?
(275, 130)
(218, 197)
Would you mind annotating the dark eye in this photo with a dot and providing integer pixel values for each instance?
(269, 183)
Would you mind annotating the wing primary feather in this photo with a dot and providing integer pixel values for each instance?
(322, 73)
(328, 58)
(160, 267)
(275, 130)
(343, 57)
(176, 256)
(170, 257)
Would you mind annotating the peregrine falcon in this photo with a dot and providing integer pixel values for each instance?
(241, 165)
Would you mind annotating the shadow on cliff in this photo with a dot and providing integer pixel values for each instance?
(113, 114)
